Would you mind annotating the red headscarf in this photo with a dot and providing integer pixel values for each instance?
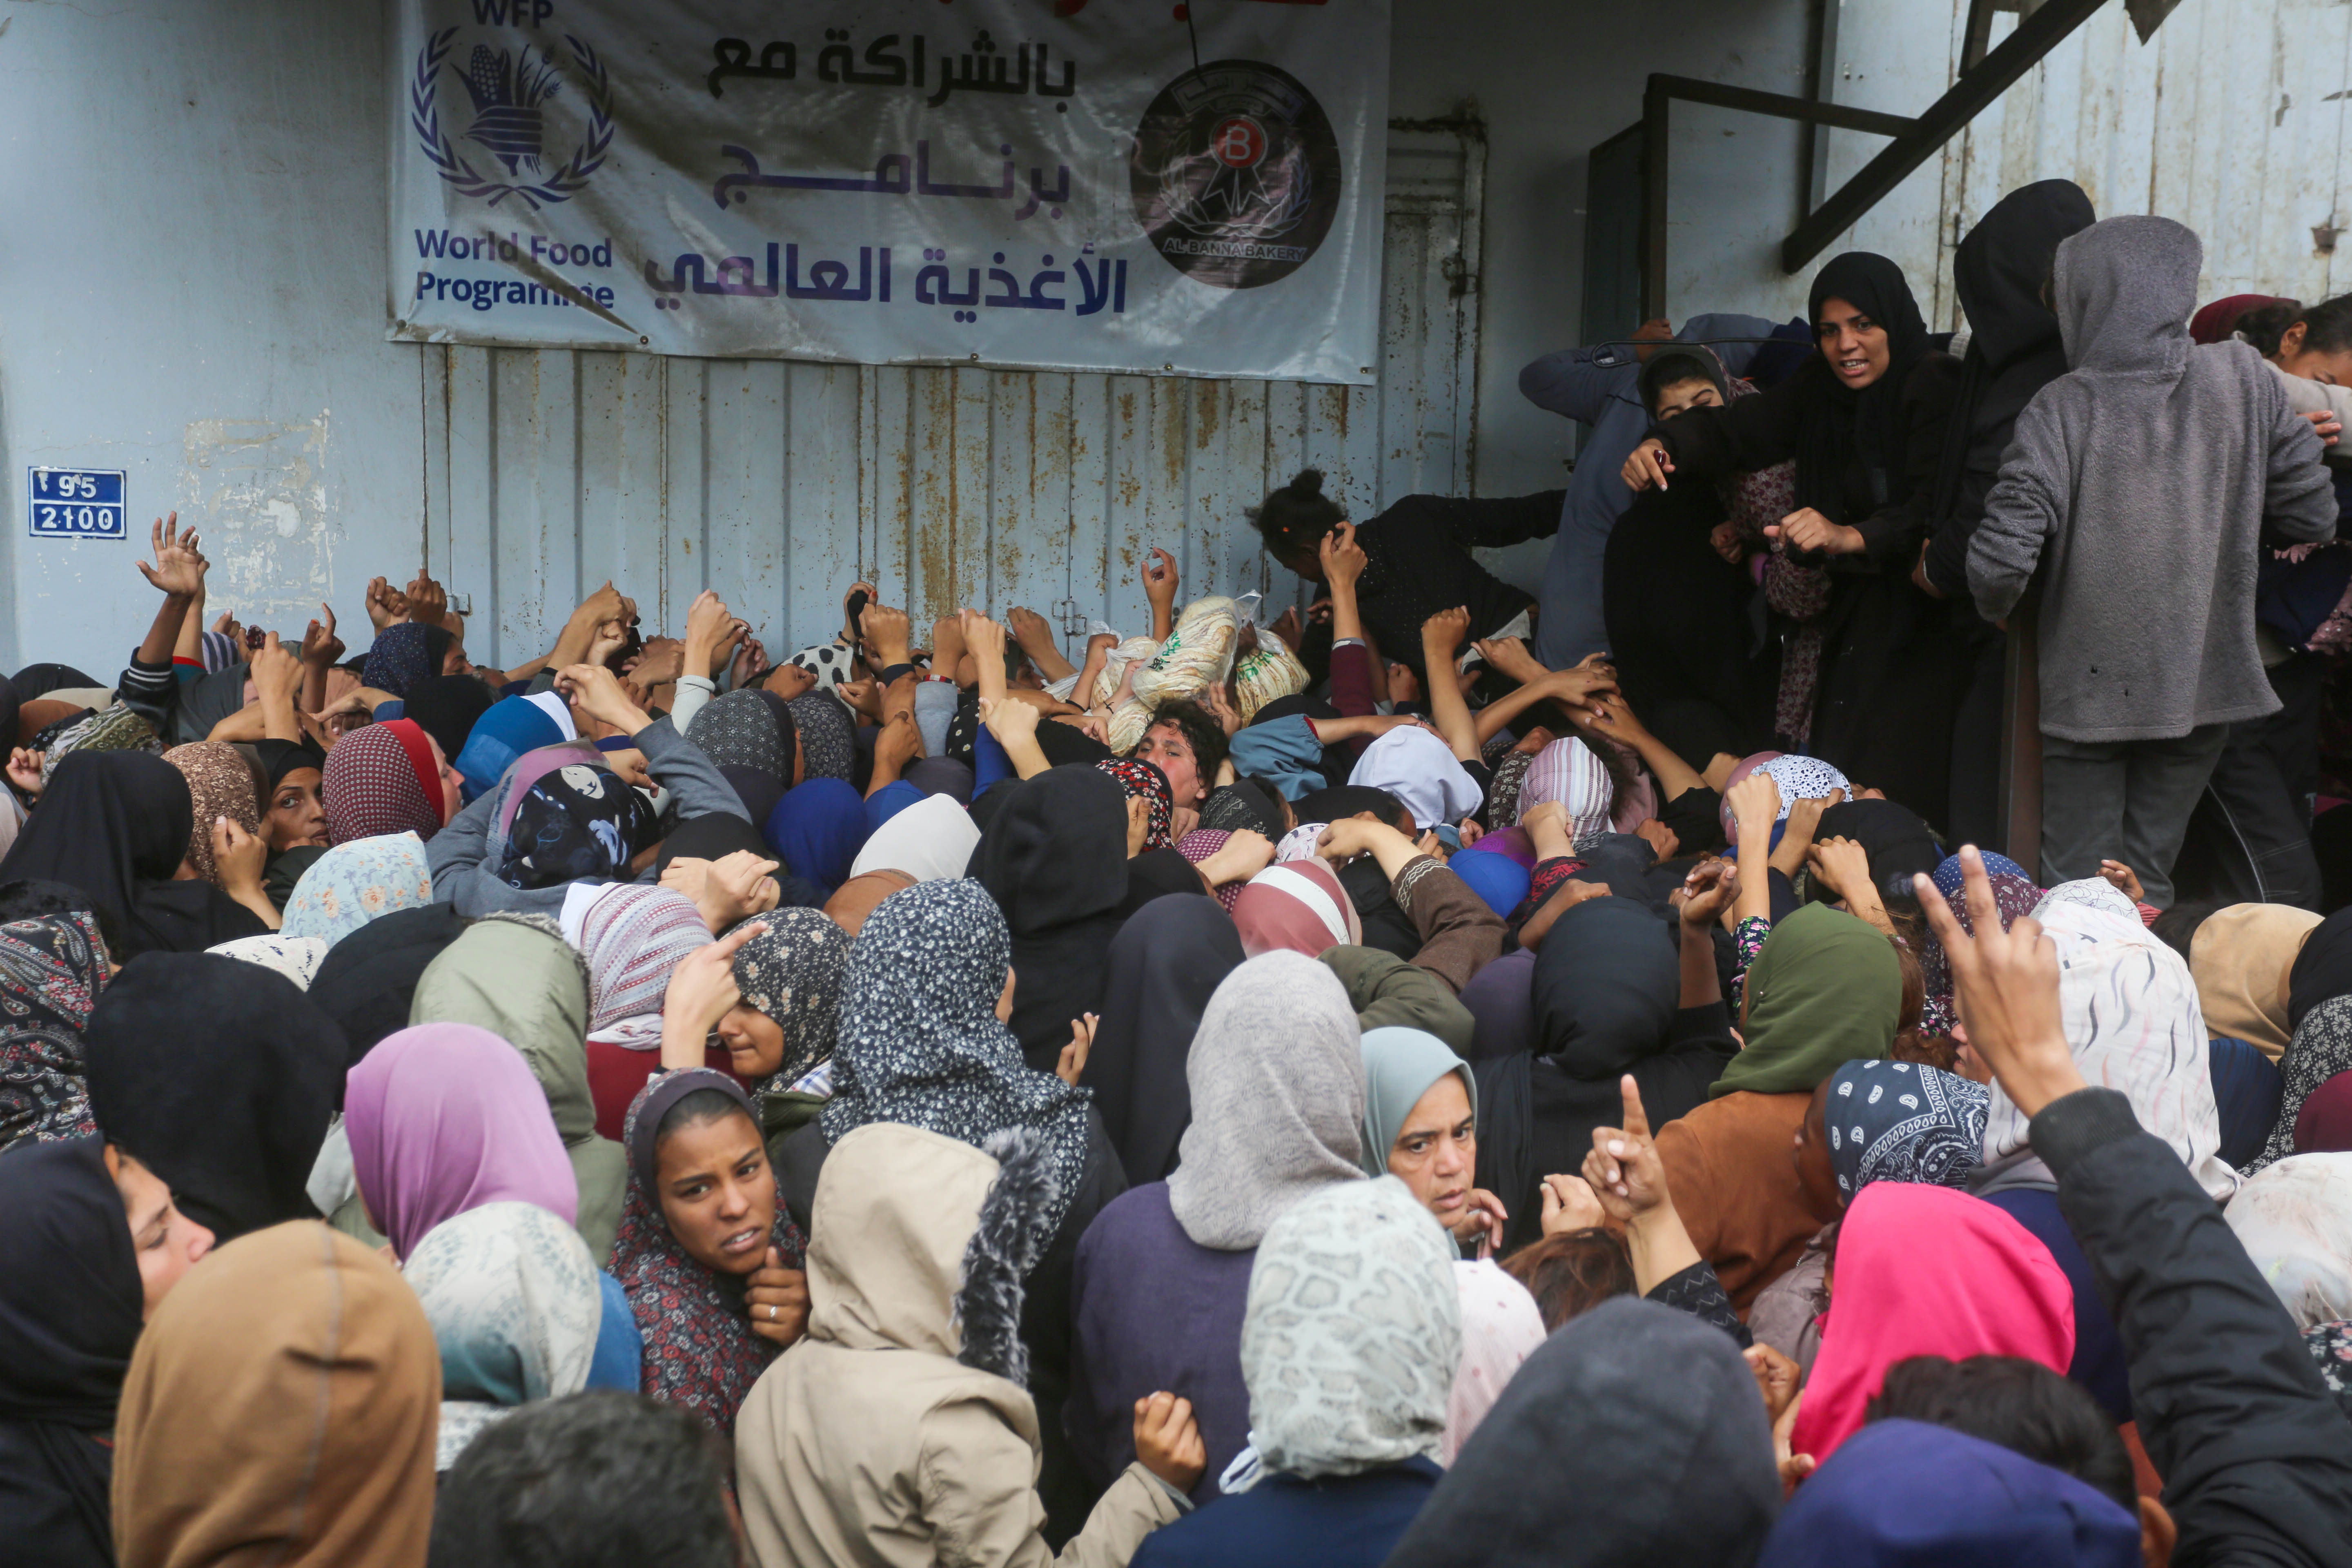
(1299, 905)
(2216, 321)
(1926, 1270)
(381, 779)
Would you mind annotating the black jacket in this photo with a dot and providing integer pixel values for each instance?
(2255, 1456)
(1417, 561)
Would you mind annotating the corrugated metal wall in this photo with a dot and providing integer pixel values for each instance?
(2231, 119)
(776, 483)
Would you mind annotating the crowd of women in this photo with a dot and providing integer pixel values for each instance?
(1347, 1089)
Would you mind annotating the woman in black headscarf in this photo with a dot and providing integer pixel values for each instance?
(1053, 856)
(116, 825)
(220, 1076)
(70, 1307)
(2000, 273)
(1864, 419)
(1607, 1002)
(447, 706)
(1163, 966)
(1676, 608)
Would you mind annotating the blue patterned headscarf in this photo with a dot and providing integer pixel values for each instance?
(1903, 1121)
(405, 654)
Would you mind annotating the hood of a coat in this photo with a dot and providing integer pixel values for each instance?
(2002, 265)
(2125, 289)
(902, 1204)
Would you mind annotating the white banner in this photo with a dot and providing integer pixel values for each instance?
(897, 182)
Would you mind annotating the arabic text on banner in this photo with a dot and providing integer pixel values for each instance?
(896, 182)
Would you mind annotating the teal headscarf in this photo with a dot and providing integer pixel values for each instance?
(1398, 1066)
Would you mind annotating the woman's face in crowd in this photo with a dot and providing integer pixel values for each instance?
(1697, 392)
(451, 781)
(297, 813)
(1810, 1155)
(717, 1194)
(167, 1242)
(754, 1042)
(1854, 346)
(1165, 748)
(1436, 1151)
(2332, 369)
(454, 661)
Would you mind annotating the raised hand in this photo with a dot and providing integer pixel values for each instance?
(1623, 1169)
(597, 692)
(1443, 633)
(778, 1298)
(321, 645)
(179, 570)
(1343, 559)
(1168, 1440)
(1755, 803)
(1647, 465)
(239, 857)
(1708, 891)
(429, 601)
(24, 772)
(1806, 530)
(1570, 1203)
(2006, 985)
(1159, 578)
(1073, 1063)
(385, 603)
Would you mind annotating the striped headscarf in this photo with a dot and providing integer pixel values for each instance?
(634, 937)
(1571, 773)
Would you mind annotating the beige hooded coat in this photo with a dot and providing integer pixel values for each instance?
(868, 1443)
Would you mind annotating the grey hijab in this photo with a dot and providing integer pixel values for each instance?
(1276, 1076)
(1352, 1334)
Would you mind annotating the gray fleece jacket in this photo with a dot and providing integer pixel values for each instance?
(2139, 484)
(465, 855)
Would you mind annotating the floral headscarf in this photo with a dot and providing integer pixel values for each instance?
(920, 1042)
(1901, 1121)
(1146, 780)
(700, 1351)
(355, 883)
(2014, 894)
(219, 784)
(740, 729)
(828, 739)
(52, 968)
(792, 973)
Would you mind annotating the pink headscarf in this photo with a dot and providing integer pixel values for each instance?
(1924, 1270)
(1571, 773)
(444, 1117)
(1299, 905)
(1501, 1327)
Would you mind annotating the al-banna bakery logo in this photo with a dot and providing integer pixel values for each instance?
(503, 150)
(1237, 174)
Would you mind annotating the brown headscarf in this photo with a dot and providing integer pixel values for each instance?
(2241, 959)
(219, 784)
(281, 1407)
(856, 898)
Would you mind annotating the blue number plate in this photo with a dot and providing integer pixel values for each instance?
(74, 503)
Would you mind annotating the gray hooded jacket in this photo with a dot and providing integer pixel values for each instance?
(2140, 483)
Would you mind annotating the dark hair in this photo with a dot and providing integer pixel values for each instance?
(693, 1109)
(2177, 927)
(1569, 1275)
(591, 1479)
(2020, 1405)
(1298, 515)
(2264, 325)
(2327, 326)
(29, 897)
(1201, 733)
(1673, 365)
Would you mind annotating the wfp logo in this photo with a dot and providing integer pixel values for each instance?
(510, 90)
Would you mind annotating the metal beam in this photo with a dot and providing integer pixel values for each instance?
(1978, 37)
(1691, 90)
(1968, 96)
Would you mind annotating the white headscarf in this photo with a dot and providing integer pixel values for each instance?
(1421, 771)
(2132, 1020)
(2294, 1220)
(931, 841)
(1501, 1327)
(295, 957)
(1351, 1335)
(512, 1297)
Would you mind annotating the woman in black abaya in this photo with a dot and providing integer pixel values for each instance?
(115, 825)
(1163, 966)
(1864, 419)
